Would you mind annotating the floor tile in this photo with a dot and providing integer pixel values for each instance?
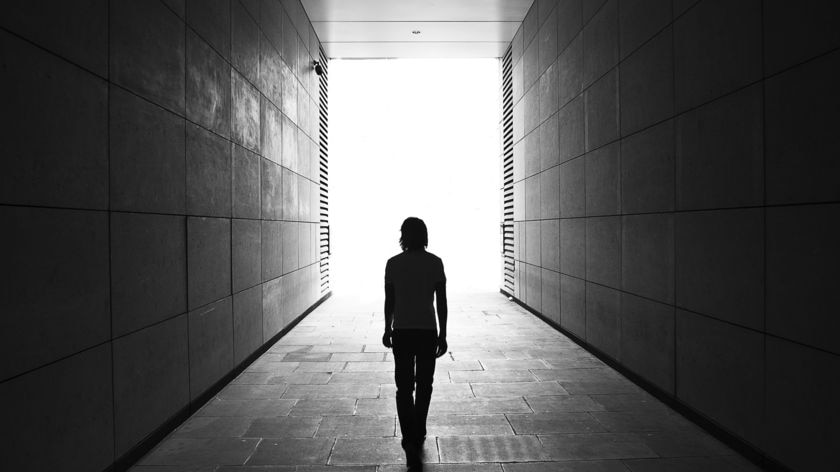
(552, 423)
(375, 451)
(518, 389)
(468, 425)
(570, 466)
(332, 391)
(506, 364)
(490, 449)
(292, 451)
(362, 377)
(478, 406)
(213, 427)
(320, 366)
(204, 451)
(629, 402)
(557, 403)
(684, 443)
(357, 356)
(485, 376)
(355, 426)
(248, 408)
(252, 392)
(315, 407)
(284, 427)
(377, 407)
(595, 446)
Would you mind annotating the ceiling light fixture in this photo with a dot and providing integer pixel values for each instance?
(415, 32)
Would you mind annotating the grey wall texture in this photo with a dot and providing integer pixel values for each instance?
(677, 206)
(159, 199)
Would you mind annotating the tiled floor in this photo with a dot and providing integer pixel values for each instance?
(512, 395)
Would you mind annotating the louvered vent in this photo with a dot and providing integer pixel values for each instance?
(507, 173)
(323, 194)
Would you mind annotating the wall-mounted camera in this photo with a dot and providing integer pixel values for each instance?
(319, 69)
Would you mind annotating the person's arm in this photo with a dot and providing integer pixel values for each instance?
(389, 314)
(442, 312)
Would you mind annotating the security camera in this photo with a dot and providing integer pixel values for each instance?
(319, 69)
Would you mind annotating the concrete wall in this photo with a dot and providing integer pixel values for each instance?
(158, 201)
(676, 202)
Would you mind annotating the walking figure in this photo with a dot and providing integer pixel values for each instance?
(413, 279)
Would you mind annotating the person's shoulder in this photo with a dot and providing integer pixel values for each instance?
(395, 258)
(434, 257)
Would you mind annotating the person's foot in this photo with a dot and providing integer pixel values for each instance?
(412, 455)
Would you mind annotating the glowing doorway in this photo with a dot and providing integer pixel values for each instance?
(414, 137)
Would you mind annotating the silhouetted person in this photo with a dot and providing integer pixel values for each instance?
(413, 279)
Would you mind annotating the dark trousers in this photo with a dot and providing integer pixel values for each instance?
(414, 362)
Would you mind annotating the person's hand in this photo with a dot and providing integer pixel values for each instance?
(441, 346)
(386, 339)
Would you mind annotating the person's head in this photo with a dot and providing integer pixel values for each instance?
(414, 234)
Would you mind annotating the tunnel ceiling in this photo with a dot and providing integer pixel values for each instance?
(384, 28)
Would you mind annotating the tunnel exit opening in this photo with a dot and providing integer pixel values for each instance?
(414, 137)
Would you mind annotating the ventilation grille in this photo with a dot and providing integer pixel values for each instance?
(507, 173)
(324, 194)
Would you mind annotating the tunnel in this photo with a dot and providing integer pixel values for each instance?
(668, 223)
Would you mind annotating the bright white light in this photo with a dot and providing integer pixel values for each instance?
(414, 137)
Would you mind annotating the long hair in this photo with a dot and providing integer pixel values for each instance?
(413, 234)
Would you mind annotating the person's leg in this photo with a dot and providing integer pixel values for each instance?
(427, 345)
(404, 379)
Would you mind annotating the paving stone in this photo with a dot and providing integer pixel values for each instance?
(467, 425)
(684, 443)
(591, 446)
(378, 406)
(650, 420)
(213, 427)
(478, 406)
(375, 451)
(331, 348)
(362, 377)
(491, 449)
(552, 423)
(278, 347)
(313, 407)
(205, 451)
(570, 466)
(629, 402)
(307, 356)
(253, 378)
(249, 392)
(284, 427)
(369, 367)
(301, 378)
(601, 386)
(559, 403)
(249, 408)
(292, 451)
(320, 366)
(523, 364)
(517, 389)
(332, 391)
(452, 366)
(485, 376)
(352, 426)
